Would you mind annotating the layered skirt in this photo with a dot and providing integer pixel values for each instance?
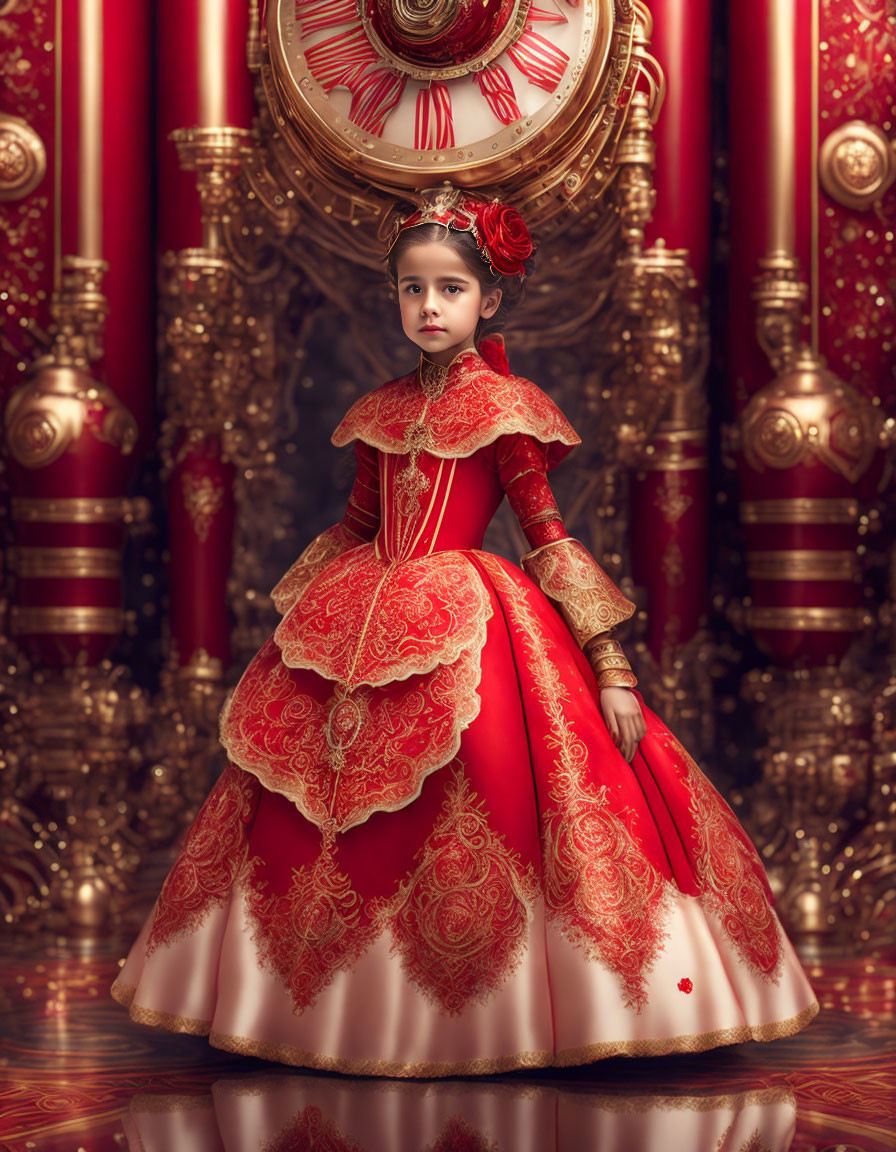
(456, 872)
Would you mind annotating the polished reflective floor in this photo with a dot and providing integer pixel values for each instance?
(75, 1073)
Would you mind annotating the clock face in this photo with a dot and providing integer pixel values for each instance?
(417, 91)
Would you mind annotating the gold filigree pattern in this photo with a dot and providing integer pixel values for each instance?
(600, 889)
(411, 482)
(366, 620)
(310, 933)
(215, 850)
(322, 549)
(475, 407)
(203, 499)
(460, 921)
(340, 755)
(588, 599)
(730, 873)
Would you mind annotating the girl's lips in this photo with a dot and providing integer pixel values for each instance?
(431, 328)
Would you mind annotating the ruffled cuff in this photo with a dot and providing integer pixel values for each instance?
(322, 549)
(588, 599)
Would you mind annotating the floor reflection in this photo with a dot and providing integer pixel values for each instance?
(283, 1112)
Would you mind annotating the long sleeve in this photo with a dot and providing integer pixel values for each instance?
(362, 515)
(563, 568)
(359, 525)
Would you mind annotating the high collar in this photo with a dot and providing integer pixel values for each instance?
(433, 377)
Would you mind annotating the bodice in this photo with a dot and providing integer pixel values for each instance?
(429, 504)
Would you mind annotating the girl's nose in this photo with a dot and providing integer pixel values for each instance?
(430, 301)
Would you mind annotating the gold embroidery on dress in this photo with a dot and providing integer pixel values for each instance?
(479, 1066)
(322, 549)
(460, 921)
(478, 407)
(589, 600)
(363, 620)
(433, 378)
(485, 1065)
(728, 872)
(204, 873)
(411, 482)
(313, 931)
(342, 756)
(600, 889)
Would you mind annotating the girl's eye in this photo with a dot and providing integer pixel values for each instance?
(453, 289)
(411, 288)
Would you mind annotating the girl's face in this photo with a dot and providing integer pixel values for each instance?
(441, 300)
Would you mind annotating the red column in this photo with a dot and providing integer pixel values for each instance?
(669, 492)
(799, 476)
(203, 81)
(70, 429)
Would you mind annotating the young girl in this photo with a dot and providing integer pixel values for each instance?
(452, 838)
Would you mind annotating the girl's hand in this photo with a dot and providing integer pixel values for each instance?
(625, 721)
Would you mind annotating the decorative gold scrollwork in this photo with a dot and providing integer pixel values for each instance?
(807, 411)
(46, 415)
(23, 159)
(857, 164)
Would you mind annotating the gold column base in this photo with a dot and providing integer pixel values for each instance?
(186, 755)
(811, 810)
(71, 756)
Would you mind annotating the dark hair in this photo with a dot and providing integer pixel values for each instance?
(465, 245)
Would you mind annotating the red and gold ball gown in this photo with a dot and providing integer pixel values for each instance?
(427, 856)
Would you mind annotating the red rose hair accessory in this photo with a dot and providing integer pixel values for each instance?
(499, 231)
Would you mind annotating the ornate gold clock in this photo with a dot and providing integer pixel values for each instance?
(410, 93)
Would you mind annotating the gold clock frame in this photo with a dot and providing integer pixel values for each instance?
(553, 133)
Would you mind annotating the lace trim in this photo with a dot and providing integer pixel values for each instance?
(204, 873)
(600, 889)
(588, 599)
(474, 408)
(363, 620)
(340, 754)
(484, 1066)
(322, 549)
(460, 922)
(152, 1018)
